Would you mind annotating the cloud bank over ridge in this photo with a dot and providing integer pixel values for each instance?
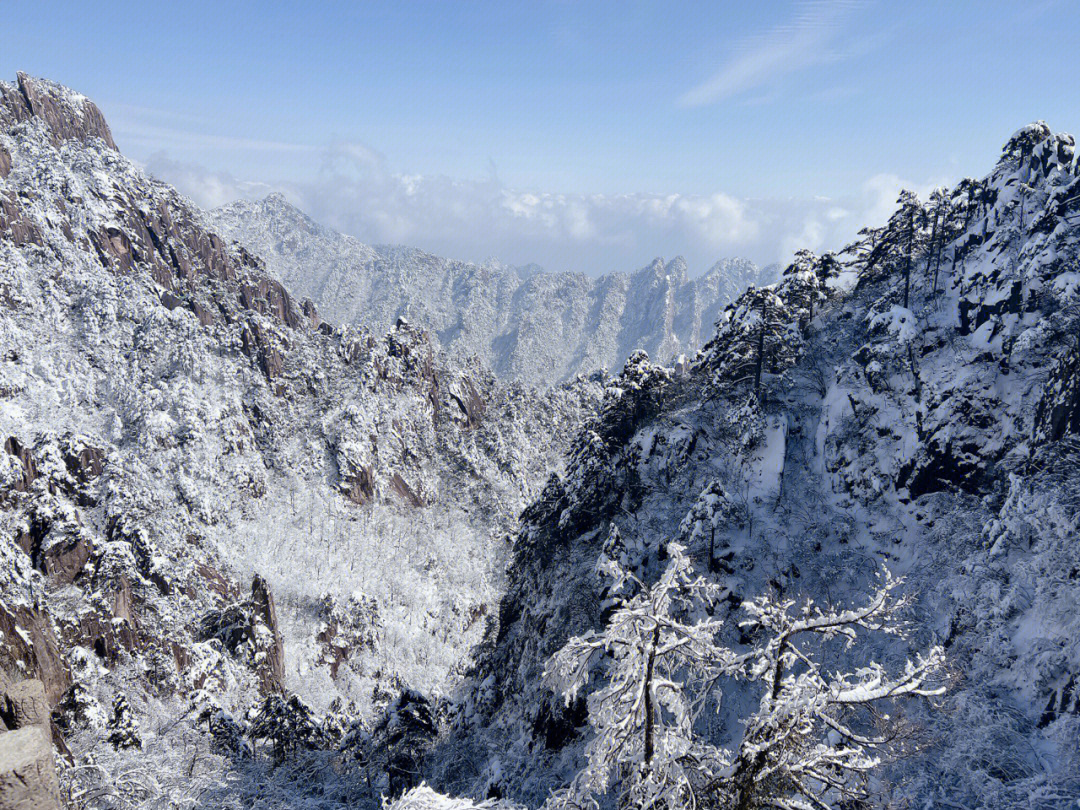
(356, 193)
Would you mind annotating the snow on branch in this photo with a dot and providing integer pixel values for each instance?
(813, 740)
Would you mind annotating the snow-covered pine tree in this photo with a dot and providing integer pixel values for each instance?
(892, 249)
(123, 732)
(226, 733)
(755, 335)
(712, 509)
(288, 724)
(940, 211)
(804, 284)
(389, 753)
(814, 739)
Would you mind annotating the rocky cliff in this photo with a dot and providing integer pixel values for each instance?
(909, 402)
(200, 478)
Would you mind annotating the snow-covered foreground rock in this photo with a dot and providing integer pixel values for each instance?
(523, 323)
(206, 493)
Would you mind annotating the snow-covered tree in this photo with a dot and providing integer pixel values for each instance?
(804, 283)
(288, 724)
(813, 740)
(712, 509)
(757, 334)
(660, 650)
(635, 394)
(629, 554)
(226, 732)
(811, 744)
(389, 753)
(123, 731)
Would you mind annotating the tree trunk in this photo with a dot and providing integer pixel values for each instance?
(649, 729)
(933, 244)
(915, 373)
(907, 263)
(748, 769)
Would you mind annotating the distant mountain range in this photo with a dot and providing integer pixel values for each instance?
(524, 323)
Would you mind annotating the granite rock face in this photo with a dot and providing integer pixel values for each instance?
(28, 779)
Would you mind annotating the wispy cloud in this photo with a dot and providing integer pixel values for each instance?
(206, 188)
(147, 136)
(357, 193)
(811, 38)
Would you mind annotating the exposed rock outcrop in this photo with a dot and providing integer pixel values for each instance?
(267, 636)
(28, 779)
(30, 647)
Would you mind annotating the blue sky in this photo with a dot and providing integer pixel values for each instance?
(583, 136)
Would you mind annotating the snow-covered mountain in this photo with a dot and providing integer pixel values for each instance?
(259, 560)
(527, 325)
(206, 492)
(912, 402)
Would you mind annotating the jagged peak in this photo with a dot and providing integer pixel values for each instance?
(277, 199)
(1024, 140)
(1038, 147)
(66, 114)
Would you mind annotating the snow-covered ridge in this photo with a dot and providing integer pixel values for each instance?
(207, 493)
(221, 517)
(924, 418)
(532, 326)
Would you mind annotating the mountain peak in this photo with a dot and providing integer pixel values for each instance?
(66, 115)
(277, 199)
(524, 323)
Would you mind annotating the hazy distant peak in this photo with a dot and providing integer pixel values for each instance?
(523, 322)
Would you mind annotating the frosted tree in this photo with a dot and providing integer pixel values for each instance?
(910, 213)
(123, 732)
(288, 724)
(643, 717)
(389, 753)
(712, 509)
(629, 554)
(812, 743)
(804, 284)
(941, 207)
(758, 334)
(807, 746)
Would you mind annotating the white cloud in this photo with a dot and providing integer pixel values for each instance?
(808, 40)
(206, 188)
(153, 136)
(880, 192)
(357, 194)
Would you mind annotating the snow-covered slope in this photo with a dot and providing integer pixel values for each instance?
(527, 325)
(173, 424)
(913, 402)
